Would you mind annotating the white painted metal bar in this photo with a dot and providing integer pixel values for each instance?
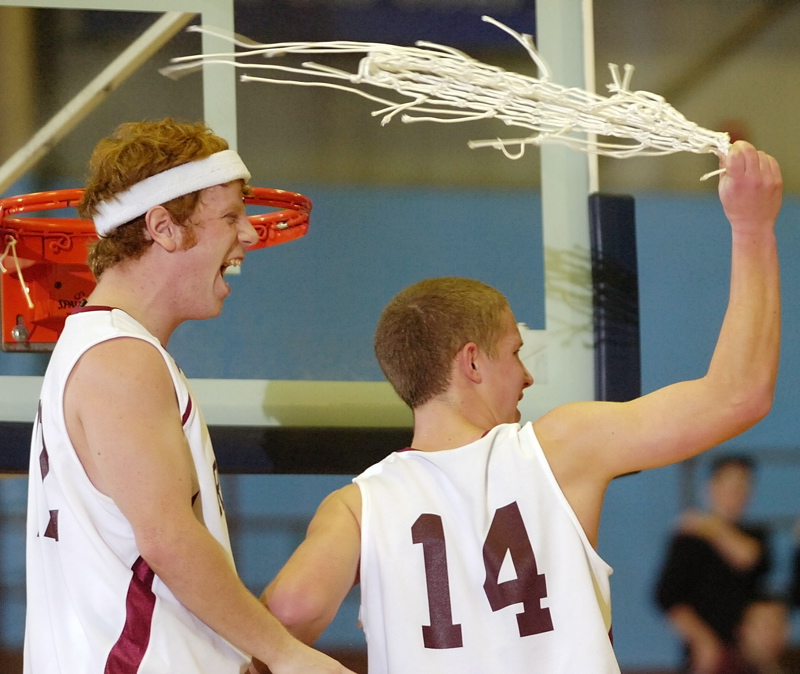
(590, 81)
(565, 224)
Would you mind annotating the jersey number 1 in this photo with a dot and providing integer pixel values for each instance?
(507, 534)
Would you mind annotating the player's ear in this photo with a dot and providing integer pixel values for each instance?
(162, 229)
(467, 362)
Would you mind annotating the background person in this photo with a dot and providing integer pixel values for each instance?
(762, 640)
(715, 565)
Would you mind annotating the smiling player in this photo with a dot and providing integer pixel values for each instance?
(129, 567)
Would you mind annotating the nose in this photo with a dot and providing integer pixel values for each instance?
(528, 381)
(247, 233)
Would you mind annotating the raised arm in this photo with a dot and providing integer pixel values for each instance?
(590, 443)
(125, 424)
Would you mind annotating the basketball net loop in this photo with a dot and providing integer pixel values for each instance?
(444, 85)
(11, 246)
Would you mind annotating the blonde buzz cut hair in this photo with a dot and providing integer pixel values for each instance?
(422, 329)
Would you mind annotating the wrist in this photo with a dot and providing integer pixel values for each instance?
(285, 651)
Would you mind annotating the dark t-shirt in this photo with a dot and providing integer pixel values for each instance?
(695, 574)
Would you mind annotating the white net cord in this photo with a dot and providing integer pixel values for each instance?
(444, 85)
(11, 247)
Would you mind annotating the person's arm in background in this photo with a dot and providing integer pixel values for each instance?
(741, 550)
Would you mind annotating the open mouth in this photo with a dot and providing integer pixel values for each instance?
(230, 266)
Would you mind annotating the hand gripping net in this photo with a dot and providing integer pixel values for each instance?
(445, 85)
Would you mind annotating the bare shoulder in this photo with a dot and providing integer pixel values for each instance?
(111, 389)
(120, 367)
(567, 427)
(342, 504)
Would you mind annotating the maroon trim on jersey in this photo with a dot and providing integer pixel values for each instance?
(187, 412)
(52, 526)
(127, 654)
(44, 462)
(93, 307)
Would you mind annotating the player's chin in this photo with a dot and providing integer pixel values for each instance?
(213, 307)
(221, 291)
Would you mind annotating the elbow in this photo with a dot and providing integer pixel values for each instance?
(300, 610)
(749, 407)
(292, 608)
(745, 561)
(169, 548)
(158, 554)
(764, 407)
(757, 405)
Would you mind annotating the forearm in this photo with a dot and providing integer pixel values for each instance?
(745, 362)
(198, 572)
(689, 626)
(308, 590)
(739, 549)
(297, 612)
(705, 647)
(738, 387)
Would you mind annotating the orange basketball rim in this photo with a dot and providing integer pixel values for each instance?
(43, 258)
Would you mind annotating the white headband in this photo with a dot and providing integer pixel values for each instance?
(217, 169)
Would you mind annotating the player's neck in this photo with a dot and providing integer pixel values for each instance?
(121, 289)
(440, 425)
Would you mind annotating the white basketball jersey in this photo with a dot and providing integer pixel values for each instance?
(93, 604)
(472, 560)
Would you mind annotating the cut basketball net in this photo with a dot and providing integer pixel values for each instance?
(445, 85)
